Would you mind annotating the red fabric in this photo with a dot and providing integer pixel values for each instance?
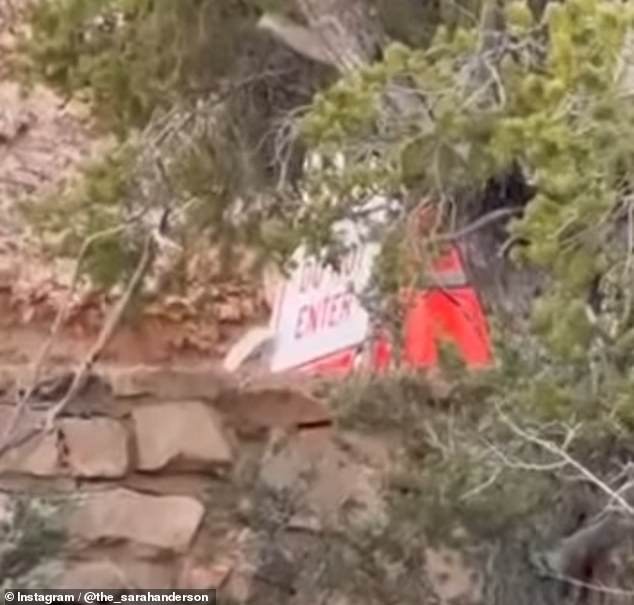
(453, 315)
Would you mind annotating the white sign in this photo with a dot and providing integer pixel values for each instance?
(318, 311)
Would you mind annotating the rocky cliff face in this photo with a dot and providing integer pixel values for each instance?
(145, 488)
(160, 486)
(162, 478)
(45, 140)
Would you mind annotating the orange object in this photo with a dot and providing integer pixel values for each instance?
(453, 315)
(450, 311)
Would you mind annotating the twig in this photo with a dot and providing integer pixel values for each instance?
(472, 493)
(525, 466)
(106, 333)
(569, 460)
(478, 224)
(617, 592)
(12, 441)
(44, 352)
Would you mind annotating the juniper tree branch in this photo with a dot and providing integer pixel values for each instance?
(578, 556)
(476, 225)
(593, 587)
(12, 440)
(106, 333)
(24, 398)
(564, 456)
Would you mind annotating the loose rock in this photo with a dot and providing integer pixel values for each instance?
(184, 435)
(265, 406)
(326, 478)
(96, 448)
(164, 524)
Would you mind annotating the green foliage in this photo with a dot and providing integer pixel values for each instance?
(134, 56)
(91, 205)
(560, 114)
(142, 62)
(33, 535)
(463, 477)
(415, 23)
(554, 107)
(452, 483)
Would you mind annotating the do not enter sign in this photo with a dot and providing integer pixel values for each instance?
(318, 311)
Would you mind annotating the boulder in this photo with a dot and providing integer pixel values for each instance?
(184, 435)
(160, 524)
(96, 448)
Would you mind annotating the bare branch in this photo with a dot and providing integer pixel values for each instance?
(592, 587)
(11, 440)
(106, 333)
(44, 352)
(566, 458)
(476, 225)
(525, 466)
(472, 493)
(577, 556)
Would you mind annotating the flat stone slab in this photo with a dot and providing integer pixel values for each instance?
(269, 404)
(162, 523)
(180, 436)
(38, 457)
(96, 448)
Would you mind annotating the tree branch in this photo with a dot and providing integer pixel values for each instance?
(106, 333)
(577, 555)
(24, 398)
(11, 440)
(478, 224)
